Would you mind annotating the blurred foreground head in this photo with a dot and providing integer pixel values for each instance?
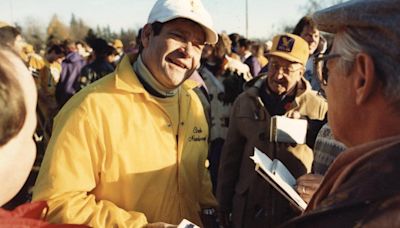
(18, 99)
(363, 69)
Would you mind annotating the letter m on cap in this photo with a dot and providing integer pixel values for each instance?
(285, 44)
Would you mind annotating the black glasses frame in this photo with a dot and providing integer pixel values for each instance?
(320, 67)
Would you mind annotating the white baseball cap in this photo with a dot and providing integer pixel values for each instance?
(166, 10)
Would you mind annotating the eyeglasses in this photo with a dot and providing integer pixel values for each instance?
(321, 69)
(274, 67)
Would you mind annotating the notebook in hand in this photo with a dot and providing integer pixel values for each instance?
(276, 173)
(288, 130)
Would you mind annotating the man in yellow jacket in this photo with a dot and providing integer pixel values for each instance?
(130, 149)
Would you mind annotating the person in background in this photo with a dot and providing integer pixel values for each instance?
(119, 47)
(234, 37)
(101, 65)
(33, 61)
(243, 195)
(224, 77)
(247, 57)
(83, 49)
(361, 187)
(71, 68)
(11, 37)
(49, 76)
(18, 97)
(307, 29)
(258, 52)
(130, 149)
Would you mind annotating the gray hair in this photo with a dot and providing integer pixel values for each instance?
(386, 67)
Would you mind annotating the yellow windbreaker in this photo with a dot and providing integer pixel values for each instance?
(113, 160)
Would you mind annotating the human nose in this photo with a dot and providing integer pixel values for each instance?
(279, 72)
(187, 49)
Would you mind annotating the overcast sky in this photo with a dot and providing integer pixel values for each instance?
(266, 17)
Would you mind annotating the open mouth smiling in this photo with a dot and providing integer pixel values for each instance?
(178, 63)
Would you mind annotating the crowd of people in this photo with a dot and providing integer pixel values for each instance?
(164, 132)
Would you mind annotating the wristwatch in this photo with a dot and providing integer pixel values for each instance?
(208, 211)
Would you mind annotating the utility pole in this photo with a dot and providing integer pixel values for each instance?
(247, 19)
(12, 12)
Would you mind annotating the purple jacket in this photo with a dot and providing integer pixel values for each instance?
(253, 64)
(69, 79)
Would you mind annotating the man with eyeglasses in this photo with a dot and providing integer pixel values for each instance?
(361, 76)
(243, 195)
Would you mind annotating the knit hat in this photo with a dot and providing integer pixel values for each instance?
(167, 10)
(290, 47)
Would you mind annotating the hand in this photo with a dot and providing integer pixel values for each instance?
(159, 225)
(294, 115)
(224, 219)
(209, 218)
(209, 221)
(307, 185)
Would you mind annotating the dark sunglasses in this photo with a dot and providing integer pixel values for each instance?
(321, 69)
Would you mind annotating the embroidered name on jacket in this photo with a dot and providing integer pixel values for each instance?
(198, 135)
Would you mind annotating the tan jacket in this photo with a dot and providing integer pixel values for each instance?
(241, 190)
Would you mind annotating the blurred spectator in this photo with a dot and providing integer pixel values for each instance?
(234, 37)
(71, 68)
(247, 57)
(258, 51)
(33, 61)
(101, 65)
(83, 49)
(307, 29)
(11, 37)
(48, 78)
(224, 78)
(119, 48)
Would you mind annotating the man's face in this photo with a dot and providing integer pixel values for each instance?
(312, 37)
(174, 54)
(342, 112)
(17, 155)
(18, 44)
(283, 75)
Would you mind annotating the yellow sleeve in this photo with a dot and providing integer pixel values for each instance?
(70, 171)
(207, 199)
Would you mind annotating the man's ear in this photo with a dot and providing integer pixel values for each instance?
(302, 71)
(365, 80)
(145, 36)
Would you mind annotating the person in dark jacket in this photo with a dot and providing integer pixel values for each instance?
(71, 68)
(101, 65)
(247, 57)
(361, 188)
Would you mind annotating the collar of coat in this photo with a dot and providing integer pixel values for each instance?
(125, 81)
(253, 89)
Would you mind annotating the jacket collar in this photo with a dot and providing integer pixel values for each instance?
(127, 80)
(254, 86)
